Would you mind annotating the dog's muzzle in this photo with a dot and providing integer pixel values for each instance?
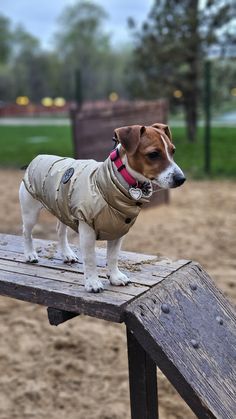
(171, 177)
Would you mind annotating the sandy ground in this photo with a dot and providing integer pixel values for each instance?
(79, 370)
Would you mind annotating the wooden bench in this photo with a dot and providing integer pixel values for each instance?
(176, 319)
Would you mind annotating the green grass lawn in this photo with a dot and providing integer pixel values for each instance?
(223, 152)
(20, 144)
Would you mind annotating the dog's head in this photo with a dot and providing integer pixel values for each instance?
(150, 152)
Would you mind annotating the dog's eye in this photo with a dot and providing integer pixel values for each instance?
(154, 155)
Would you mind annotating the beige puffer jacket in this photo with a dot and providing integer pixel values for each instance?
(85, 190)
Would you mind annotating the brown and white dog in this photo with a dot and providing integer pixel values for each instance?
(99, 200)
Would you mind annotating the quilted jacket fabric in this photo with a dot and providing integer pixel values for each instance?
(87, 190)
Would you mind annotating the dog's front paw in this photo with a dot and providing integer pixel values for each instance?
(118, 278)
(31, 257)
(93, 285)
(69, 256)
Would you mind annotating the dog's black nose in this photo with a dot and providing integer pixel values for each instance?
(179, 180)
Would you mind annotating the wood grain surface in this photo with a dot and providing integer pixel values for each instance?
(61, 286)
(188, 327)
(175, 315)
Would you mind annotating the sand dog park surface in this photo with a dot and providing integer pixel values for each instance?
(79, 369)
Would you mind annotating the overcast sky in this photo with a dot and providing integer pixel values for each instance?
(40, 17)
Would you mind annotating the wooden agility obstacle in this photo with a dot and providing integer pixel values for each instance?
(175, 316)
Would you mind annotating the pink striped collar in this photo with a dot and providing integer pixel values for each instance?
(115, 158)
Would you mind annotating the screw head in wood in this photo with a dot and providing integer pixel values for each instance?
(142, 310)
(219, 319)
(194, 343)
(165, 308)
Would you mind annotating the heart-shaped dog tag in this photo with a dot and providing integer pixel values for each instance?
(135, 193)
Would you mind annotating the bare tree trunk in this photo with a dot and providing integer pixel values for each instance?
(191, 92)
(191, 115)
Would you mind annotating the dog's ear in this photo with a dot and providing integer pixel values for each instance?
(165, 128)
(129, 137)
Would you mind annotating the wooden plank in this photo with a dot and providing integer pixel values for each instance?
(142, 381)
(48, 249)
(141, 269)
(139, 281)
(142, 276)
(64, 296)
(145, 275)
(188, 327)
(57, 274)
(76, 278)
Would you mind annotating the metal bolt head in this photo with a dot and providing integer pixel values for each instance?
(165, 308)
(219, 319)
(194, 343)
(193, 287)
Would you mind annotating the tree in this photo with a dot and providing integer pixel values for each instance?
(35, 72)
(5, 39)
(82, 44)
(5, 50)
(23, 53)
(171, 46)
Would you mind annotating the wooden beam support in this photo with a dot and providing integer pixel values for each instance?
(57, 317)
(187, 326)
(142, 381)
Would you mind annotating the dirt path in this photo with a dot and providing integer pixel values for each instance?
(79, 370)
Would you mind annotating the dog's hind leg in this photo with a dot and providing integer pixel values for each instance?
(67, 253)
(116, 277)
(30, 209)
